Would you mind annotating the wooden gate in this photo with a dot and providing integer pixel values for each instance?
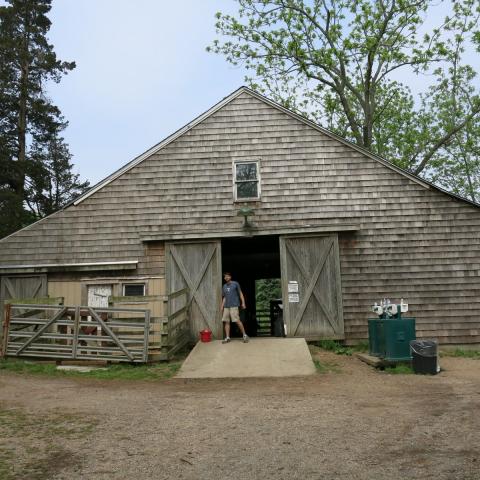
(197, 266)
(311, 288)
(76, 332)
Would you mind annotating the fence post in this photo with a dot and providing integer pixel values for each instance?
(76, 329)
(146, 336)
(6, 325)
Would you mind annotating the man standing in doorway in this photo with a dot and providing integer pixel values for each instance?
(232, 299)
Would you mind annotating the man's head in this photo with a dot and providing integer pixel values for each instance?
(227, 276)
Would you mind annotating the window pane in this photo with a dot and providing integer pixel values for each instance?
(134, 290)
(247, 190)
(246, 171)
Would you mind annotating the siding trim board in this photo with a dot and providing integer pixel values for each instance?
(306, 229)
(69, 267)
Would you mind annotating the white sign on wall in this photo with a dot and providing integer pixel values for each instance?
(292, 286)
(293, 297)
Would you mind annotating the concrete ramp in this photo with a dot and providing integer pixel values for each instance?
(260, 357)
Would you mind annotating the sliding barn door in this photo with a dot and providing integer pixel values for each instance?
(311, 288)
(197, 266)
(21, 287)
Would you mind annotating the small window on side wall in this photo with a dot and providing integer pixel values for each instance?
(247, 181)
(133, 289)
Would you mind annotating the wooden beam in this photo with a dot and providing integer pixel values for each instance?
(205, 235)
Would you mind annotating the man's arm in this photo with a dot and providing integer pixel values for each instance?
(242, 299)
(223, 304)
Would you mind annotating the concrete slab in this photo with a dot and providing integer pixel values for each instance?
(260, 357)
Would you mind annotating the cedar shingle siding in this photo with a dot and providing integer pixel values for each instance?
(412, 241)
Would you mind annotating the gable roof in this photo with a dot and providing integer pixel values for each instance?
(426, 184)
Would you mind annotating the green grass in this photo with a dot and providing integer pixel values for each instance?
(460, 352)
(157, 371)
(339, 349)
(326, 367)
(400, 369)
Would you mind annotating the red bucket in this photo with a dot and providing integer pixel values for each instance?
(206, 335)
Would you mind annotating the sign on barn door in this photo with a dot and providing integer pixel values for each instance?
(312, 294)
(197, 266)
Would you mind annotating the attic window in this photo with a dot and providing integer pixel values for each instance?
(134, 289)
(247, 182)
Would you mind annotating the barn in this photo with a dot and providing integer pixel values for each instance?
(258, 190)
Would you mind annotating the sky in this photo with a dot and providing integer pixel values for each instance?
(142, 73)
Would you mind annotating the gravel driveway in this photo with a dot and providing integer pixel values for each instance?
(350, 423)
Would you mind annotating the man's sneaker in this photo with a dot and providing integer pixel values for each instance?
(245, 339)
(226, 340)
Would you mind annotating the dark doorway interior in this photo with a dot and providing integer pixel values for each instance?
(251, 259)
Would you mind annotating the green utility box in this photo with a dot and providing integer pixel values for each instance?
(389, 338)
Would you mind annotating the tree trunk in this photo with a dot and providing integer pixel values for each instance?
(22, 106)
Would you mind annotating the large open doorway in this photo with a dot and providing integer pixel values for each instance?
(255, 264)
(308, 266)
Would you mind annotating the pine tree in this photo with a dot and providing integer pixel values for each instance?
(30, 122)
(50, 182)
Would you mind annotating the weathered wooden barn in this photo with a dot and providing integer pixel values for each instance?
(341, 227)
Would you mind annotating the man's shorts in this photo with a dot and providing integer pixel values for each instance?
(230, 313)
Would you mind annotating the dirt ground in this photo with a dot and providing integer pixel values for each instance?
(349, 423)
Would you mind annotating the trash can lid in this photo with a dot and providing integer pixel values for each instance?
(424, 348)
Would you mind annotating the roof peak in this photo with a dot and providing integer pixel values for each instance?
(229, 98)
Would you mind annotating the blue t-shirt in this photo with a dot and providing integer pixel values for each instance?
(231, 292)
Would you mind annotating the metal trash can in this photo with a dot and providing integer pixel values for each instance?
(276, 318)
(425, 357)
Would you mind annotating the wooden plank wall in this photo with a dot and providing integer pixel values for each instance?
(153, 260)
(414, 242)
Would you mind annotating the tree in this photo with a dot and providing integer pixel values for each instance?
(266, 290)
(28, 117)
(51, 184)
(339, 63)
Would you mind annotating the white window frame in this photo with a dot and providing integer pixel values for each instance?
(135, 283)
(258, 180)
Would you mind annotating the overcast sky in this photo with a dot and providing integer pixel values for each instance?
(142, 73)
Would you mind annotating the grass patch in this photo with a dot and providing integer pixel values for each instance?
(157, 371)
(463, 353)
(326, 367)
(400, 369)
(339, 349)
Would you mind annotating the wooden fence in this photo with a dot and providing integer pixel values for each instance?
(174, 327)
(119, 334)
(76, 332)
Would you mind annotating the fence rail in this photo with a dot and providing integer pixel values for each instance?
(76, 332)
